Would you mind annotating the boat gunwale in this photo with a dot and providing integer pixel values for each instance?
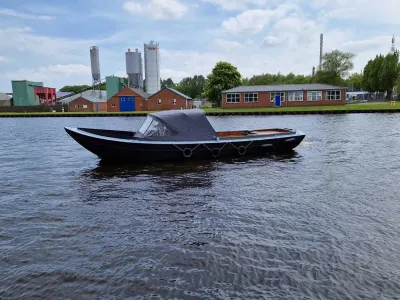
(245, 138)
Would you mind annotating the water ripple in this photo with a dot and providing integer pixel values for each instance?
(319, 223)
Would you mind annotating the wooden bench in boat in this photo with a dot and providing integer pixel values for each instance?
(246, 133)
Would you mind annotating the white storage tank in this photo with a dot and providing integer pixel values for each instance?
(152, 67)
(95, 63)
(134, 68)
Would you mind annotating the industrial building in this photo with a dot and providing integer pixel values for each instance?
(29, 93)
(168, 99)
(127, 100)
(290, 95)
(152, 67)
(5, 100)
(87, 101)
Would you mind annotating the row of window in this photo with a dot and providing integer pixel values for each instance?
(292, 96)
(159, 101)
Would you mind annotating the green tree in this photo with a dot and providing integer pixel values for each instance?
(168, 83)
(192, 86)
(328, 77)
(223, 76)
(338, 62)
(390, 72)
(74, 88)
(355, 81)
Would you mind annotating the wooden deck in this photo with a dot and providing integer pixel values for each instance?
(246, 133)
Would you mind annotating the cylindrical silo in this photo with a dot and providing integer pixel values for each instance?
(152, 67)
(134, 68)
(95, 63)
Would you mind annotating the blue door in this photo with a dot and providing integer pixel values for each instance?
(97, 107)
(126, 103)
(277, 101)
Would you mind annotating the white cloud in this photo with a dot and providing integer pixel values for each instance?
(230, 5)
(3, 59)
(229, 46)
(273, 41)
(254, 21)
(49, 72)
(157, 9)
(383, 11)
(18, 14)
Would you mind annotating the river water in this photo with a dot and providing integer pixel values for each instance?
(321, 223)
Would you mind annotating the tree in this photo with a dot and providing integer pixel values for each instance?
(338, 62)
(390, 72)
(192, 86)
(328, 77)
(168, 83)
(355, 81)
(381, 73)
(223, 76)
(74, 88)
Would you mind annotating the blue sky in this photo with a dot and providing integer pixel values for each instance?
(49, 41)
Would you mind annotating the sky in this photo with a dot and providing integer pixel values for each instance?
(49, 41)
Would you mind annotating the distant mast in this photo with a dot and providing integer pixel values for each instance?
(393, 48)
(321, 48)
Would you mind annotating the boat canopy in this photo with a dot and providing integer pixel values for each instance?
(177, 125)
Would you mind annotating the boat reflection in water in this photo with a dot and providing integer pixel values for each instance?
(178, 135)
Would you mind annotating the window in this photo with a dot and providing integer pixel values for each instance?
(84, 106)
(233, 98)
(173, 101)
(122, 99)
(273, 95)
(158, 101)
(333, 95)
(152, 127)
(76, 106)
(314, 96)
(295, 96)
(113, 105)
(250, 97)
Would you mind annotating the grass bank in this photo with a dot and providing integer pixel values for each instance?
(348, 108)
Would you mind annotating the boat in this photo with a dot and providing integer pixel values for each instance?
(181, 135)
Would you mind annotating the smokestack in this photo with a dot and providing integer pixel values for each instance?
(313, 71)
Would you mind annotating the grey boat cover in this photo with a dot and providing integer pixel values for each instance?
(177, 125)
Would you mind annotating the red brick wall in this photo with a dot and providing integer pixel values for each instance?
(264, 100)
(80, 102)
(166, 96)
(139, 101)
(102, 106)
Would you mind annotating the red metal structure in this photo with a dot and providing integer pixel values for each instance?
(45, 95)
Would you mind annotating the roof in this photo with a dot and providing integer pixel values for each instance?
(174, 91)
(282, 88)
(62, 94)
(178, 125)
(140, 92)
(4, 96)
(88, 95)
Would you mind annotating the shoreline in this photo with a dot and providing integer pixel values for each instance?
(344, 109)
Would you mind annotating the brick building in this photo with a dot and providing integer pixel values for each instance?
(83, 104)
(289, 95)
(169, 98)
(127, 99)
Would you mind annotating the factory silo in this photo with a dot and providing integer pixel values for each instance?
(134, 68)
(152, 67)
(95, 64)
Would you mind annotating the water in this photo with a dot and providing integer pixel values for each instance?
(322, 223)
